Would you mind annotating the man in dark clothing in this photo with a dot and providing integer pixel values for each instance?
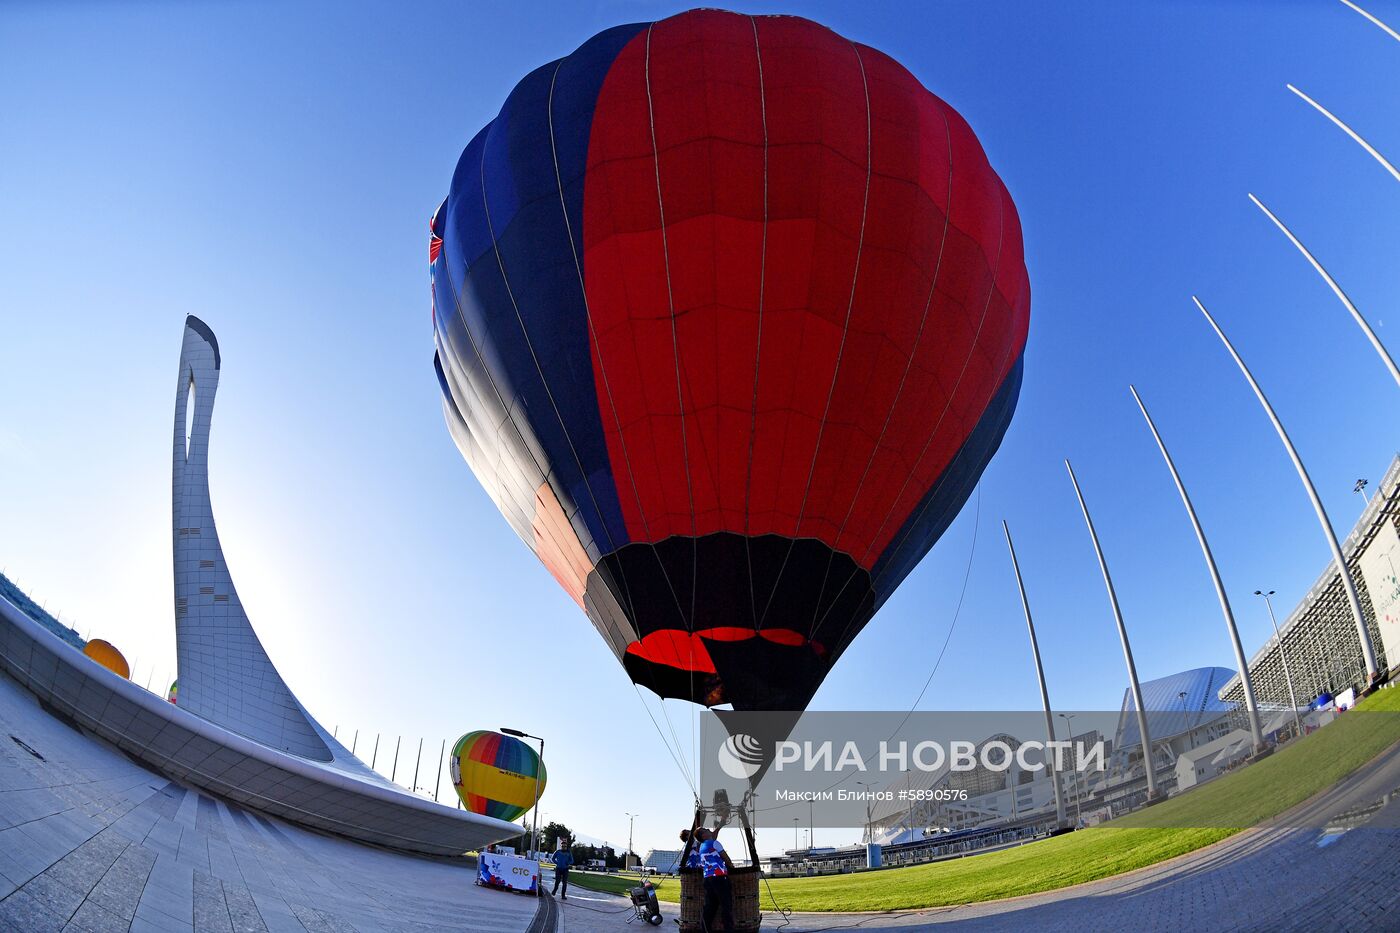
(562, 859)
(719, 897)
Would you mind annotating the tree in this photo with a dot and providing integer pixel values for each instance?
(551, 835)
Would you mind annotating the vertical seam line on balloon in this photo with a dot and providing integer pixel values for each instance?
(997, 385)
(889, 416)
(758, 341)
(994, 269)
(675, 351)
(451, 358)
(602, 369)
(508, 493)
(588, 311)
(845, 331)
(505, 279)
(671, 307)
(996, 388)
(449, 371)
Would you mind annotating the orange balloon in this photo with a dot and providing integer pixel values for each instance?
(108, 656)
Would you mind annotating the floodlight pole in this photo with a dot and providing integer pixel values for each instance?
(441, 755)
(1368, 655)
(1133, 684)
(1283, 659)
(811, 822)
(1251, 707)
(1069, 739)
(1385, 163)
(1336, 290)
(1060, 816)
(1388, 31)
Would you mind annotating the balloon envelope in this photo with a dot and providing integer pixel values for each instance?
(729, 315)
(495, 774)
(108, 656)
(174, 693)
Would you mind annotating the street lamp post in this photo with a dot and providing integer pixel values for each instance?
(1360, 487)
(795, 844)
(1069, 737)
(868, 836)
(631, 818)
(1368, 655)
(535, 810)
(1283, 659)
(909, 798)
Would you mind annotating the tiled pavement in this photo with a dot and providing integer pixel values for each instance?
(90, 841)
(1273, 878)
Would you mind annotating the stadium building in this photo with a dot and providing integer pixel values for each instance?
(663, 861)
(1319, 641)
(1184, 713)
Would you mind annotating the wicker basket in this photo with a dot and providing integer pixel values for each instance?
(744, 883)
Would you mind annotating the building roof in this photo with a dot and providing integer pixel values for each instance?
(1171, 712)
(1227, 744)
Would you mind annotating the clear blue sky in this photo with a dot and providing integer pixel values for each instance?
(272, 169)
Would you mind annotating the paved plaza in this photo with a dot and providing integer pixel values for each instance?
(90, 841)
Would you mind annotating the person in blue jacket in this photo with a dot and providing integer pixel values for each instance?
(562, 859)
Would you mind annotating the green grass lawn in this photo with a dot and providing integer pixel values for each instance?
(1197, 818)
(622, 882)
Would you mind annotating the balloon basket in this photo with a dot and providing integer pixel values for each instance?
(743, 880)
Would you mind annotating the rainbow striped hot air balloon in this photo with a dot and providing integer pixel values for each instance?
(495, 774)
(174, 694)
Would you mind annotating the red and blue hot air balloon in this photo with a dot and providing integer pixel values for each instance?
(729, 314)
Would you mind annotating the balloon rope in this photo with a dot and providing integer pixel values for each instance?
(957, 613)
(670, 751)
(670, 726)
(967, 575)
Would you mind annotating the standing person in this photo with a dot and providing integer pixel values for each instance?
(690, 853)
(562, 859)
(719, 897)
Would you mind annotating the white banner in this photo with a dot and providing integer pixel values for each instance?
(1380, 568)
(507, 871)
